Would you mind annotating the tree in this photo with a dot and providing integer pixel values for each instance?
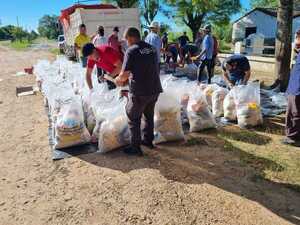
(270, 3)
(283, 42)
(124, 3)
(193, 13)
(48, 26)
(164, 28)
(149, 9)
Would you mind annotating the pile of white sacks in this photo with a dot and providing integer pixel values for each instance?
(80, 116)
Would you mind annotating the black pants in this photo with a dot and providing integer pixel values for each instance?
(100, 73)
(138, 106)
(293, 118)
(208, 63)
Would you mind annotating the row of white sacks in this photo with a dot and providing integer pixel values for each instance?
(81, 116)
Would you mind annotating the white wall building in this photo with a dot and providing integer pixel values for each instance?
(260, 21)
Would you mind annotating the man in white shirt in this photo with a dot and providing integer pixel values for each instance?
(100, 39)
(154, 39)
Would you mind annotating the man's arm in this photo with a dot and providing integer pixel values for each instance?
(122, 79)
(89, 77)
(227, 80)
(246, 77)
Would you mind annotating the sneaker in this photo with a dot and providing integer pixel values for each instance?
(289, 141)
(133, 151)
(148, 145)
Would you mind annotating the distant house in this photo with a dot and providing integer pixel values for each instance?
(260, 21)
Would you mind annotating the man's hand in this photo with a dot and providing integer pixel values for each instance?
(231, 85)
(119, 81)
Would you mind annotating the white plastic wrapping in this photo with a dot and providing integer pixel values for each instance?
(230, 107)
(218, 97)
(199, 114)
(167, 119)
(114, 132)
(70, 129)
(208, 92)
(247, 100)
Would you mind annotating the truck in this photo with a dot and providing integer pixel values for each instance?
(106, 15)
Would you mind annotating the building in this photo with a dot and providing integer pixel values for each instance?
(263, 23)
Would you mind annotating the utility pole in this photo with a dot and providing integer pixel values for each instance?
(17, 21)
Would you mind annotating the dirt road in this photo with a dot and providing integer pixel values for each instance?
(198, 183)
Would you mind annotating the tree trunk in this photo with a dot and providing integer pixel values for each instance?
(284, 42)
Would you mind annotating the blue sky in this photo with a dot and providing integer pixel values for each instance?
(28, 12)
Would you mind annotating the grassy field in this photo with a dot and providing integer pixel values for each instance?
(261, 148)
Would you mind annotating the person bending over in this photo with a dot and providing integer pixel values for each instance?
(236, 70)
(104, 57)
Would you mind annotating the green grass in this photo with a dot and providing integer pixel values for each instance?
(261, 149)
(55, 51)
(20, 45)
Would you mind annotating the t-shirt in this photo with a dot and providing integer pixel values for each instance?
(165, 41)
(208, 45)
(294, 82)
(99, 40)
(81, 40)
(154, 40)
(141, 60)
(190, 48)
(108, 57)
(183, 40)
(113, 41)
(242, 65)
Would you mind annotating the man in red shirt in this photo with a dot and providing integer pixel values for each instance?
(104, 57)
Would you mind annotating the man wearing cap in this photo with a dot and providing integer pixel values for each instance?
(236, 70)
(153, 39)
(104, 57)
(293, 108)
(206, 55)
(113, 40)
(140, 68)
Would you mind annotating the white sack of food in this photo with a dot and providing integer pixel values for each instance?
(89, 116)
(167, 119)
(247, 100)
(114, 132)
(218, 97)
(199, 114)
(230, 107)
(101, 100)
(208, 92)
(70, 129)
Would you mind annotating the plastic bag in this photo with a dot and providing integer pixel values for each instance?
(89, 116)
(167, 125)
(199, 114)
(70, 129)
(247, 100)
(218, 100)
(208, 92)
(114, 131)
(230, 107)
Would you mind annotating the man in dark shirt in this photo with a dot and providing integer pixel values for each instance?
(141, 69)
(183, 40)
(293, 108)
(236, 70)
(188, 52)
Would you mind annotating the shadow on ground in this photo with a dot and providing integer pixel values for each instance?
(210, 158)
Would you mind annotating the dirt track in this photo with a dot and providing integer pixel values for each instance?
(176, 184)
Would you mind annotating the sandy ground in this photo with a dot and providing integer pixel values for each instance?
(176, 184)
